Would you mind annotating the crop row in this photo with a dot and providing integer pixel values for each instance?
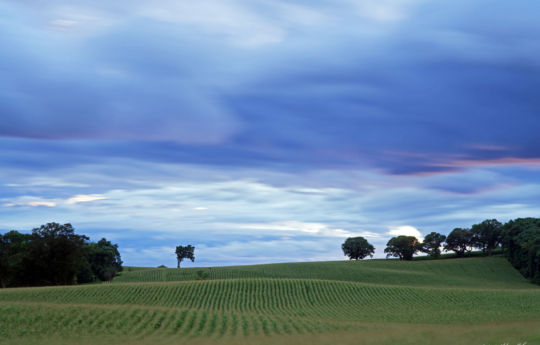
(18, 320)
(293, 298)
(493, 272)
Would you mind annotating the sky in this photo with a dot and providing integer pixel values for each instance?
(267, 131)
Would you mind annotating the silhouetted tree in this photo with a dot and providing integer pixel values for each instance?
(459, 241)
(55, 254)
(13, 247)
(487, 235)
(357, 248)
(185, 252)
(104, 259)
(432, 244)
(521, 245)
(403, 247)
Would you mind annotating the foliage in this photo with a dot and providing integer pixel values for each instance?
(55, 255)
(487, 235)
(432, 244)
(185, 252)
(357, 248)
(402, 246)
(103, 260)
(459, 241)
(521, 244)
(13, 246)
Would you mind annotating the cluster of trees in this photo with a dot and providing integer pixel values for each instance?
(54, 254)
(519, 239)
(521, 243)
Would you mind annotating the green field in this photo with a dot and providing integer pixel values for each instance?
(454, 301)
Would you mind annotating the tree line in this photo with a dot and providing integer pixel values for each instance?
(519, 240)
(54, 254)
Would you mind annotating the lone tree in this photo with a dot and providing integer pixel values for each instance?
(185, 252)
(487, 235)
(459, 241)
(357, 248)
(403, 247)
(432, 244)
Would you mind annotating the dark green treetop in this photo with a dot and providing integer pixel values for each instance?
(357, 248)
(185, 252)
(403, 247)
(432, 244)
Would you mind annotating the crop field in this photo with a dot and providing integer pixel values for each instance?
(494, 272)
(458, 301)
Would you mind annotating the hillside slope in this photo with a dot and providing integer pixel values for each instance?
(493, 272)
(252, 303)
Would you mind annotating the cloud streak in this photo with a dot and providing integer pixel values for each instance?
(239, 125)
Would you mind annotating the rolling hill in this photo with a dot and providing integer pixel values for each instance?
(473, 299)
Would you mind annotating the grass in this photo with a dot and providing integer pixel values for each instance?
(473, 300)
(489, 272)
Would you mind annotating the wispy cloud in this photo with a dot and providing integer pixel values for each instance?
(30, 203)
(268, 130)
(84, 198)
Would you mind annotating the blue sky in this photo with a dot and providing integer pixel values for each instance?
(267, 131)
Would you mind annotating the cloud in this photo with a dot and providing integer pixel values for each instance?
(299, 84)
(30, 203)
(85, 198)
(406, 230)
(272, 122)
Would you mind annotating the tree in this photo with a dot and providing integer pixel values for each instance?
(357, 248)
(55, 254)
(104, 259)
(459, 241)
(487, 235)
(521, 245)
(403, 247)
(185, 252)
(12, 250)
(432, 244)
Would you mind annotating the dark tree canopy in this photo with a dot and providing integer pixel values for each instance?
(13, 246)
(459, 241)
(487, 235)
(357, 248)
(104, 261)
(403, 247)
(521, 245)
(185, 252)
(432, 244)
(55, 255)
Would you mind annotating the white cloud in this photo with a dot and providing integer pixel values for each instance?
(85, 198)
(305, 228)
(30, 203)
(406, 230)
